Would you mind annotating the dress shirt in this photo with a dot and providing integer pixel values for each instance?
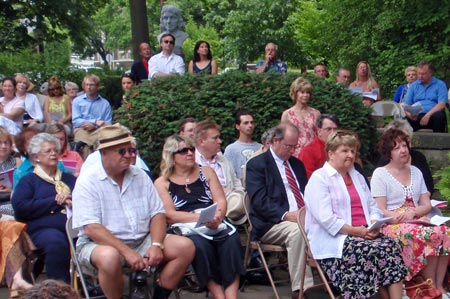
(429, 95)
(87, 110)
(213, 163)
(162, 64)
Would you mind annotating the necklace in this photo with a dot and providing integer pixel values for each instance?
(349, 181)
(186, 186)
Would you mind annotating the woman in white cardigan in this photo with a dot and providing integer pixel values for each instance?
(358, 261)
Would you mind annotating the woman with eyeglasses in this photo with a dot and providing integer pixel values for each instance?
(71, 90)
(401, 193)
(42, 200)
(57, 106)
(185, 187)
(202, 62)
(301, 115)
(359, 261)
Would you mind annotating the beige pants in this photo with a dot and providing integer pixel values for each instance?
(288, 234)
(90, 138)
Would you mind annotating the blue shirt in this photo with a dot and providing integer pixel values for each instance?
(435, 92)
(86, 110)
(278, 66)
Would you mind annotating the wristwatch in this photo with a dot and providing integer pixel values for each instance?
(157, 244)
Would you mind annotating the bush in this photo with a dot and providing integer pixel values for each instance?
(444, 181)
(158, 107)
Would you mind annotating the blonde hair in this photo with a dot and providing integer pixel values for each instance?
(22, 78)
(341, 137)
(301, 84)
(171, 146)
(93, 78)
(411, 68)
(370, 80)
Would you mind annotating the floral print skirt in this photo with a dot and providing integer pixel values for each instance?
(418, 242)
(365, 266)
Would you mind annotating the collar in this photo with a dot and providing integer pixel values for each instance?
(203, 160)
(277, 159)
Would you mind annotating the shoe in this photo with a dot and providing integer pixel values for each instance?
(295, 294)
(160, 292)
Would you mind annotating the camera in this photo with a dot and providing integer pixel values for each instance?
(140, 278)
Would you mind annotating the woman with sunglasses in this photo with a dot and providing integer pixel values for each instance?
(41, 200)
(185, 187)
(359, 261)
(57, 106)
(202, 62)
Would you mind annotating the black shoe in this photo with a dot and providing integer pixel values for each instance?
(160, 292)
(78, 146)
(259, 276)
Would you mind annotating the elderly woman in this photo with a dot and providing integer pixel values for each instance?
(41, 203)
(185, 187)
(400, 191)
(57, 106)
(11, 108)
(364, 79)
(71, 159)
(71, 90)
(339, 209)
(301, 115)
(33, 110)
(411, 76)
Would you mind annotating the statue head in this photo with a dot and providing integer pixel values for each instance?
(171, 19)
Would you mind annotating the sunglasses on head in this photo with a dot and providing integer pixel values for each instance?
(168, 42)
(122, 151)
(184, 150)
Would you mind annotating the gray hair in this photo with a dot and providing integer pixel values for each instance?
(267, 135)
(280, 130)
(70, 85)
(401, 124)
(36, 143)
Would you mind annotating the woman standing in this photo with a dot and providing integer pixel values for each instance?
(41, 203)
(33, 111)
(359, 262)
(202, 62)
(364, 79)
(400, 192)
(301, 115)
(57, 106)
(11, 108)
(185, 187)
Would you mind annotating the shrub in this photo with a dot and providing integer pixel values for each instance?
(444, 181)
(158, 107)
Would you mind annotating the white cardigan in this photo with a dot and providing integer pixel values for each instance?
(328, 208)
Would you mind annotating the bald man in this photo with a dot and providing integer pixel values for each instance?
(140, 68)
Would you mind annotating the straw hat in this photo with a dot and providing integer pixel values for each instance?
(112, 135)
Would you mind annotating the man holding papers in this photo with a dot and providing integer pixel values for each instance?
(185, 187)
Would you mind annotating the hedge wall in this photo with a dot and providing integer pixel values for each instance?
(158, 107)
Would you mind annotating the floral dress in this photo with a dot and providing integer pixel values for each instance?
(418, 241)
(306, 126)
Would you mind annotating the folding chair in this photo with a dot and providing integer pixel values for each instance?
(261, 247)
(309, 259)
(388, 108)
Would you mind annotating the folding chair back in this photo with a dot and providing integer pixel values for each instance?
(261, 247)
(309, 259)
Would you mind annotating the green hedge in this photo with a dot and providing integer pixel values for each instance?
(158, 107)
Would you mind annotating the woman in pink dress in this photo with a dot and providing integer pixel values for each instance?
(301, 115)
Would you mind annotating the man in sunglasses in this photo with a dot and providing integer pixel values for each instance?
(122, 221)
(166, 63)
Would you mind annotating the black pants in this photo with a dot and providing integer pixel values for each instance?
(438, 122)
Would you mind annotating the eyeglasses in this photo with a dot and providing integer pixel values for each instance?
(50, 151)
(168, 42)
(291, 146)
(123, 151)
(184, 150)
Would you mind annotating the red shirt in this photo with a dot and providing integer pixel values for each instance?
(313, 156)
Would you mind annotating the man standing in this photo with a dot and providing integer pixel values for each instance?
(431, 93)
(166, 63)
(275, 184)
(343, 77)
(187, 127)
(90, 111)
(240, 151)
(122, 221)
(313, 155)
(320, 70)
(270, 62)
(140, 68)
(207, 153)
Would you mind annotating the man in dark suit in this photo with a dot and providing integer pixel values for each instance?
(275, 184)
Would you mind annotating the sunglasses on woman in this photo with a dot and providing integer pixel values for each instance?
(184, 150)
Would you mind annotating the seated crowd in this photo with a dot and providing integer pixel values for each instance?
(305, 161)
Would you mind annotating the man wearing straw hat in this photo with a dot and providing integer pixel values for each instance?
(122, 220)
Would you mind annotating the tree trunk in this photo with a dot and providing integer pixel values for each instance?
(139, 25)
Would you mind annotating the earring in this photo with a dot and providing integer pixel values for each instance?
(37, 161)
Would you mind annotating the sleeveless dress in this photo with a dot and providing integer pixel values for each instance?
(306, 126)
(206, 70)
(217, 260)
(58, 111)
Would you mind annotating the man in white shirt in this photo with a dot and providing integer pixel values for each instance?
(122, 220)
(166, 63)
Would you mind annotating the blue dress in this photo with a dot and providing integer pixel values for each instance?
(206, 70)
(34, 204)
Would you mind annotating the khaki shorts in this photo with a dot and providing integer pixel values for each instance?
(85, 246)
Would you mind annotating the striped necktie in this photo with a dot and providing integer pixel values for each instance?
(293, 185)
